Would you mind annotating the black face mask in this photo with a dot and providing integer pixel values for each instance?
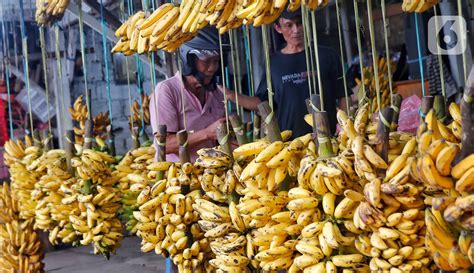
(200, 78)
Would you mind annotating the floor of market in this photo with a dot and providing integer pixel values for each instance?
(128, 259)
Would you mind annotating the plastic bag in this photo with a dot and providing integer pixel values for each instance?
(409, 118)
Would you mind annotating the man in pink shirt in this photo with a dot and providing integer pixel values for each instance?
(195, 88)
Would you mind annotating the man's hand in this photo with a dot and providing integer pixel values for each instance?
(211, 129)
(229, 94)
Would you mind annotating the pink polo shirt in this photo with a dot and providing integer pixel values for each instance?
(168, 97)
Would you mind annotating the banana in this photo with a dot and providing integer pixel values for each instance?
(445, 158)
(374, 158)
(461, 167)
(433, 177)
(348, 260)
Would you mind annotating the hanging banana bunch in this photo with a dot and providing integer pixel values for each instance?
(449, 192)
(167, 220)
(51, 191)
(169, 26)
(133, 175)
(370, 84)
(136, 116)
(96, 221)
(79, 113)
(25, 171)
(418, 6)
(50, 11)
(21, 248)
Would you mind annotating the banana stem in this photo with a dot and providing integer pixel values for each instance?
(467, 114)
(183, 146)
(238, 128)
(256, 127)
(426, 105)
(273, 130)
(161, 138)
(439, 106)
(69, 148)
(396, 104)
(223, 139)
(136, 142)
(383, 133)
(323, 134)
(110, 140)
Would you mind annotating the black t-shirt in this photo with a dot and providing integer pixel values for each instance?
(290, 86)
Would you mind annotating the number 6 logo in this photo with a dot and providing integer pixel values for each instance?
(447, 35)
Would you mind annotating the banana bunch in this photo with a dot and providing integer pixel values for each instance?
(96, 220)
(169, 26)
(79, 113)
(21, 249)
(267, 165)
(24, 173)
(160, 30)
(133, 174)
(52, 214)
(220, 175)
(371, 87)
(455, 126)
(50, 11)
(136, 116)
(167, 220)
(449, 183)
(418, 5)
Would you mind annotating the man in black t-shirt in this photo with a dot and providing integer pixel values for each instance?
(290, 79)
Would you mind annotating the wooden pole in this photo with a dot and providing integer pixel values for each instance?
(223, 138)
(273, 130)
(183, 146)
(69, 148)
(467, 114)
(110, 140)
(238, 128)
(426, 105)
(256, 127)
(88, 133)
(383, 132)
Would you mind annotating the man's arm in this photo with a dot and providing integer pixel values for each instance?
(248, 102)
(208, 133)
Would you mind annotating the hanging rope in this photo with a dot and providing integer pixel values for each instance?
(463, 44)
(359, 48)
(266, 50)
(139, 77)
(234, 70)
(374, 56)
(183, 101)
(248, 58)
(106, 61)
(346, 92)
(225, 139)
(239, 71)
(6, 65)
(45, 75)
(420, 59)
(307, 48)
(26, 72)
(84, 63)
(440, 58)
(387, 51)
(316, 52)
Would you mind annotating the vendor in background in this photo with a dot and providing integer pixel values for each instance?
(203, 102)
(290, 79)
